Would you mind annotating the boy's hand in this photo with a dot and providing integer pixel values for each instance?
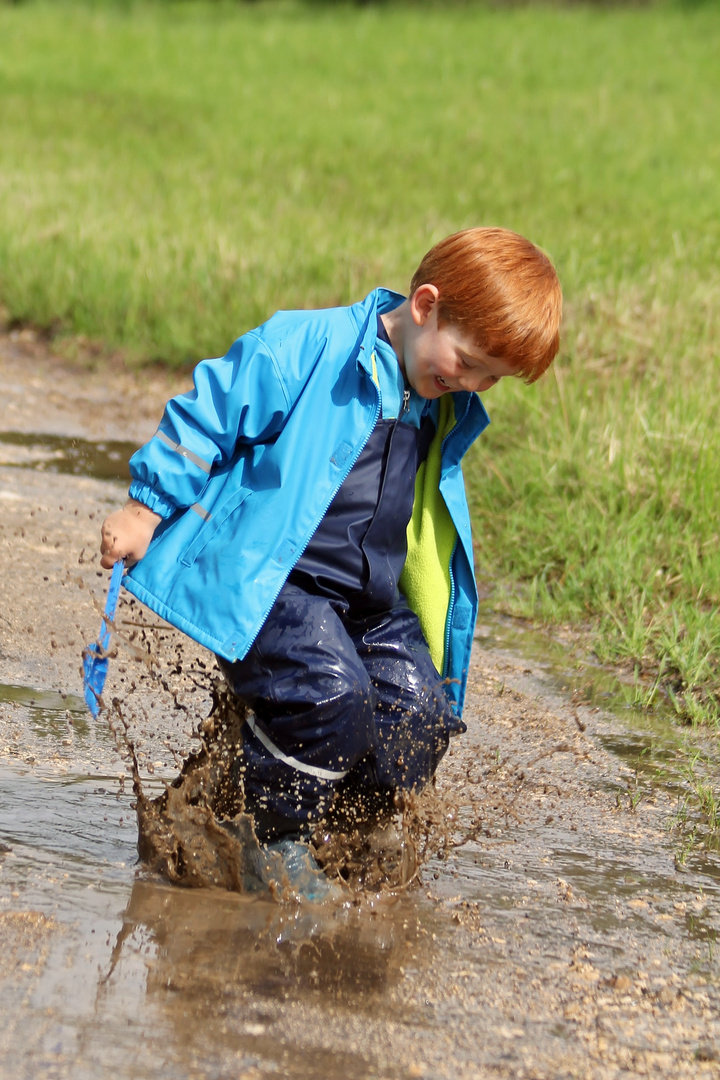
(126, 534)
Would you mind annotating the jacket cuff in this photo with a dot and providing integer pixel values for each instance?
(150, 498)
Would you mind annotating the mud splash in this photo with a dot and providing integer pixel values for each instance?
(196, 833)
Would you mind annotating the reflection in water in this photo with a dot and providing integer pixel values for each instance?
(244, 981)
(209, 943)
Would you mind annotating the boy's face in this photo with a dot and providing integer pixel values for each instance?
(436, 360)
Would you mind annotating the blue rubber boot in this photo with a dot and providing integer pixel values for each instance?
(294, 870)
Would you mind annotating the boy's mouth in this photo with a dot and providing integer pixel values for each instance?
(441, 381)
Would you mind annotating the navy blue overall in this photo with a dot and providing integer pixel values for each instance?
(339, 681)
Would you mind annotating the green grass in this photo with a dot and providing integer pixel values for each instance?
(696, 820)
(600, 494)
(170, 175)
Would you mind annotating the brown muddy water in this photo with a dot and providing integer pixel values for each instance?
(563, 940)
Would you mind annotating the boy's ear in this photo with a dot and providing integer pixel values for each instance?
(422, 303)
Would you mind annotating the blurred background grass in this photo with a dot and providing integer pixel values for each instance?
(171, 174)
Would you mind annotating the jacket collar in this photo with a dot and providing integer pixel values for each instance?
(365, 314)
(471, 419)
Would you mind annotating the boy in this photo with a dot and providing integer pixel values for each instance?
(302, 514)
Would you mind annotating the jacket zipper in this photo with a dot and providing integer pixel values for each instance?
(448, 622)
(403, 408)
(451, 602)
(362, 446)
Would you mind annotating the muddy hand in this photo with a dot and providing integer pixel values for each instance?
(126, 534)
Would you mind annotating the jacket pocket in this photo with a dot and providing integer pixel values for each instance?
(211, 526)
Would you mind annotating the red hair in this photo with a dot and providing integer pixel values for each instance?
(501, 290)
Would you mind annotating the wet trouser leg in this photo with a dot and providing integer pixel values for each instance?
(335, 701)
(413, 716)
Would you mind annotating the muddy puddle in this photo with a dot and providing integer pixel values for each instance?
(564, 939)
(509, 948)
(105, 460)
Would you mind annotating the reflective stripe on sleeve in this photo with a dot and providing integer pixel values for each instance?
(183, 451)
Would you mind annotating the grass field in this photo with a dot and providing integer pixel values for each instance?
(170, 175)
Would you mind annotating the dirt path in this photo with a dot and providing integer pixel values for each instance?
(563, 943)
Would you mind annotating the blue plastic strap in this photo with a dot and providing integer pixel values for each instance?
(111, 603)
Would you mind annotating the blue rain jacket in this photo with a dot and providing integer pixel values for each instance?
(243, 468)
